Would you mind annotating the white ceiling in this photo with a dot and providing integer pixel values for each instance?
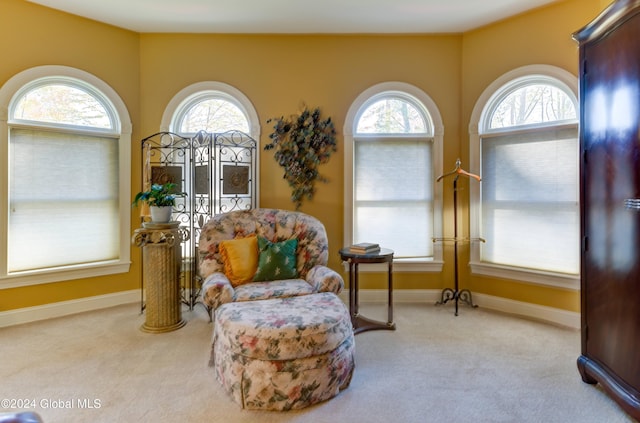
(296, 16)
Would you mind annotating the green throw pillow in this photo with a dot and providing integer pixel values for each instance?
(277, 260)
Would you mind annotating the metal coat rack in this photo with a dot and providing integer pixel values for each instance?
(456, 294)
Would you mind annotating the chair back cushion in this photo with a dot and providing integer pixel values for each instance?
(275, 225)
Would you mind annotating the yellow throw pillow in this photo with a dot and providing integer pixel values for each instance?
(240, 257)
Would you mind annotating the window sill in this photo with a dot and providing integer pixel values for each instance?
(36, 277)
(556, 280)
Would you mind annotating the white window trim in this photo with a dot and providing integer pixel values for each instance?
(8, 92)
(552, 279)
(436, 263)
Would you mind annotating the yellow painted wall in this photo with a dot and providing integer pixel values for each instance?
(542, 36)
(280, 72)
(31, 35)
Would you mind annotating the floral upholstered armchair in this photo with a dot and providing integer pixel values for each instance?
(264, 253)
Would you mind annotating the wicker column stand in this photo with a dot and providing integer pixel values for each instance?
(161, 261)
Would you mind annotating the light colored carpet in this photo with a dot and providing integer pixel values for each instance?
(480, 366)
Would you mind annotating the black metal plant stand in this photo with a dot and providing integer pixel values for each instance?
(456, 294)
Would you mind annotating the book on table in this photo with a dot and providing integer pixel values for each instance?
(364, 248)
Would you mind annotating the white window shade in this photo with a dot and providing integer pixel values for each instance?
(393, 194)
(530, 200)
(63, 199)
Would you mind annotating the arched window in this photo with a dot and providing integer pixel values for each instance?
(67, 179)
(527, 208)
(393, 135)
(210, 112)
(532, 102)
(212, 107)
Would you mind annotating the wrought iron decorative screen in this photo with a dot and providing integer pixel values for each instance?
(218, 173)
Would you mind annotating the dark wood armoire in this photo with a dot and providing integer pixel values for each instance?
(610, 202)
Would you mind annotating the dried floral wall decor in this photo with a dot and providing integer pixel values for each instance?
(301, 143)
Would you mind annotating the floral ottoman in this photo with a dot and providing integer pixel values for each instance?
(285, 353)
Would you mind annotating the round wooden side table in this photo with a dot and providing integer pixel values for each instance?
(361, 323)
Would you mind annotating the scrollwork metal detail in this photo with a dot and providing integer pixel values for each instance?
(197, 164)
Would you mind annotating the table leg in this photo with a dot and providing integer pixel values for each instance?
(361, 323)
(355, 289)
(390, 299)
(352, 306)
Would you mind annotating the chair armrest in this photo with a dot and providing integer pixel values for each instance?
(324, 279)
(217, 290)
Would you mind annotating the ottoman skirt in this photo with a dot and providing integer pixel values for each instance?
(283, 354)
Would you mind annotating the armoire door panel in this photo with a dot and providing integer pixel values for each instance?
(610, 202)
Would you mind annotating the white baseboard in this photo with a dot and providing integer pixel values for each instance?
(430, 296)
(570, 319)
(65, 308)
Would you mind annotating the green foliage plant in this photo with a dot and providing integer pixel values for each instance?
(301, 143)
(159, 195)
